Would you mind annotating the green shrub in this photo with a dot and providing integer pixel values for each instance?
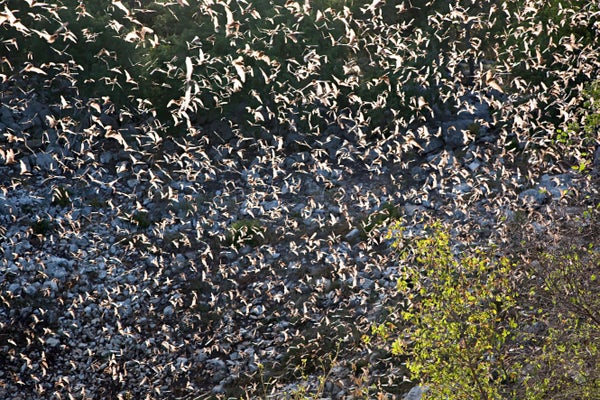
(566, 296)
(477, 326)
(97, 202)
(61, 196)
(141, 219)
(458, 320)
(245, 232)
(42, 226)
(387, 213)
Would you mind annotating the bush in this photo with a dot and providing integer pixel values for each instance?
(141, 219)
(478, 326)
(565, 295)
(245, 232)
(458, 316)
(42, 226)
(378, 219)
(61, 196)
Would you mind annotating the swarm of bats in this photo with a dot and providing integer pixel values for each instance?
(288, 79)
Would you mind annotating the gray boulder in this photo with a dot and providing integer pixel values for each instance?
(534, 197)
(455, 133)
(416, 393)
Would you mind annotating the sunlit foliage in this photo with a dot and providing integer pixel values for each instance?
(483, 327)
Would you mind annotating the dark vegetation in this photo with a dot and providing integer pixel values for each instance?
(270, 68)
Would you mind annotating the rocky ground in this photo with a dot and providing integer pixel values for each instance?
(139, 267)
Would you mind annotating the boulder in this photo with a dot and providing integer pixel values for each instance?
(416, 393)
(456, 133)
(534, 197)
(45, 161)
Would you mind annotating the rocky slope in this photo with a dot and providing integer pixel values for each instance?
(140, 267)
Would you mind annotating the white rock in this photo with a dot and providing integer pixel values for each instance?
(416, 393)
(474, 165)
(51, 284)
(31, 289)
(258, 310)
(168, 311)
(353, 234)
